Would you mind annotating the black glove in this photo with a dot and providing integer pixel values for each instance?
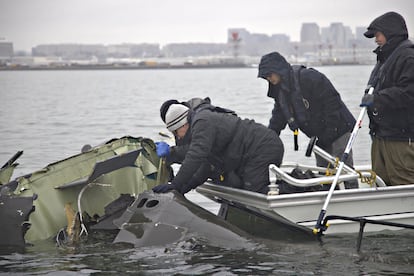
(163, 188)
(367, 100)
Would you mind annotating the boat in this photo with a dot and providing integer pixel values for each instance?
(371, 207)
(74, 192)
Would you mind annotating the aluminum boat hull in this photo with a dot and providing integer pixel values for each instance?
(393, 204)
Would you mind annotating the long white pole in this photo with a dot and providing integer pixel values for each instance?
(319, 228)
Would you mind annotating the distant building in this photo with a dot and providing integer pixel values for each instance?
(337, 35)
(282, 43)
(310, 39)
(310, 33)
(194, 49)
(318, 45)
(99, 51)
(6, 51)
(255, 44)
(69, 51)
(129, 50)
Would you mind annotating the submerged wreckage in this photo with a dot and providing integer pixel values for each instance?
(108, 187)
(39, 205)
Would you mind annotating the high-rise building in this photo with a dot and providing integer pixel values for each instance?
(310, 33)
(257, 44)
(6, 50)
(338, 35)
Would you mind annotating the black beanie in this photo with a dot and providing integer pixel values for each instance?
(164, 108)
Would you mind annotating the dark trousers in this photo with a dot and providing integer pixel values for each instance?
(255, 172)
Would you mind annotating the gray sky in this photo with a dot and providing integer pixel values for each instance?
(28, 23)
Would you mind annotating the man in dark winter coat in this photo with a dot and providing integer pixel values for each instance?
(306, 100)
(391, 106)
(242, 146)
(175, 154)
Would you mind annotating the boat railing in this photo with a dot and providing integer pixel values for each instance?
(349, 173)
(362, 172)
(279, 174)
(362, 223)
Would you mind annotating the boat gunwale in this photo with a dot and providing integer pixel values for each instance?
(271, 202)
(268, 204)
(229, 192)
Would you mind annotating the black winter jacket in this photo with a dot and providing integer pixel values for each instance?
(319, 109)
(219, 136)
(392, 113)
(178, 152)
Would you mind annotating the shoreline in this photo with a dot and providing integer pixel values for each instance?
(123, 67)
(159, 66)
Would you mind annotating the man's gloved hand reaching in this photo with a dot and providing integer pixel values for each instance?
(367, 100)
(163, 149)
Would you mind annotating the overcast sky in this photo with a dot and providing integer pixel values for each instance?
(28, 23)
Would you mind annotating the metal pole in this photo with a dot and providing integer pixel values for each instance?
(319, 228)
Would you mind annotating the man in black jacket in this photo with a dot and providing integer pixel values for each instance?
(175, 154)
(306, 100)
(241, 146)
(391, 106)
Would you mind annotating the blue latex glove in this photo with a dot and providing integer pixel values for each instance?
(163, 149)
(367, 100)
(163, 188)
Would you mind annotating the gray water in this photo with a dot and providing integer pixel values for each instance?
(52, 114)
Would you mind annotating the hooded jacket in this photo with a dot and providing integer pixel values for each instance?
(305, 99)
(392, 114)
(391, 24)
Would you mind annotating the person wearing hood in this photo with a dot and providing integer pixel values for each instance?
(305, 99)
(391, 106)
(243, 146)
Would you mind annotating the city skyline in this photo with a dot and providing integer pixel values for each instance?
(30, 23)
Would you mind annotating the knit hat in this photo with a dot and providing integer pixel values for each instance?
(176, 116)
